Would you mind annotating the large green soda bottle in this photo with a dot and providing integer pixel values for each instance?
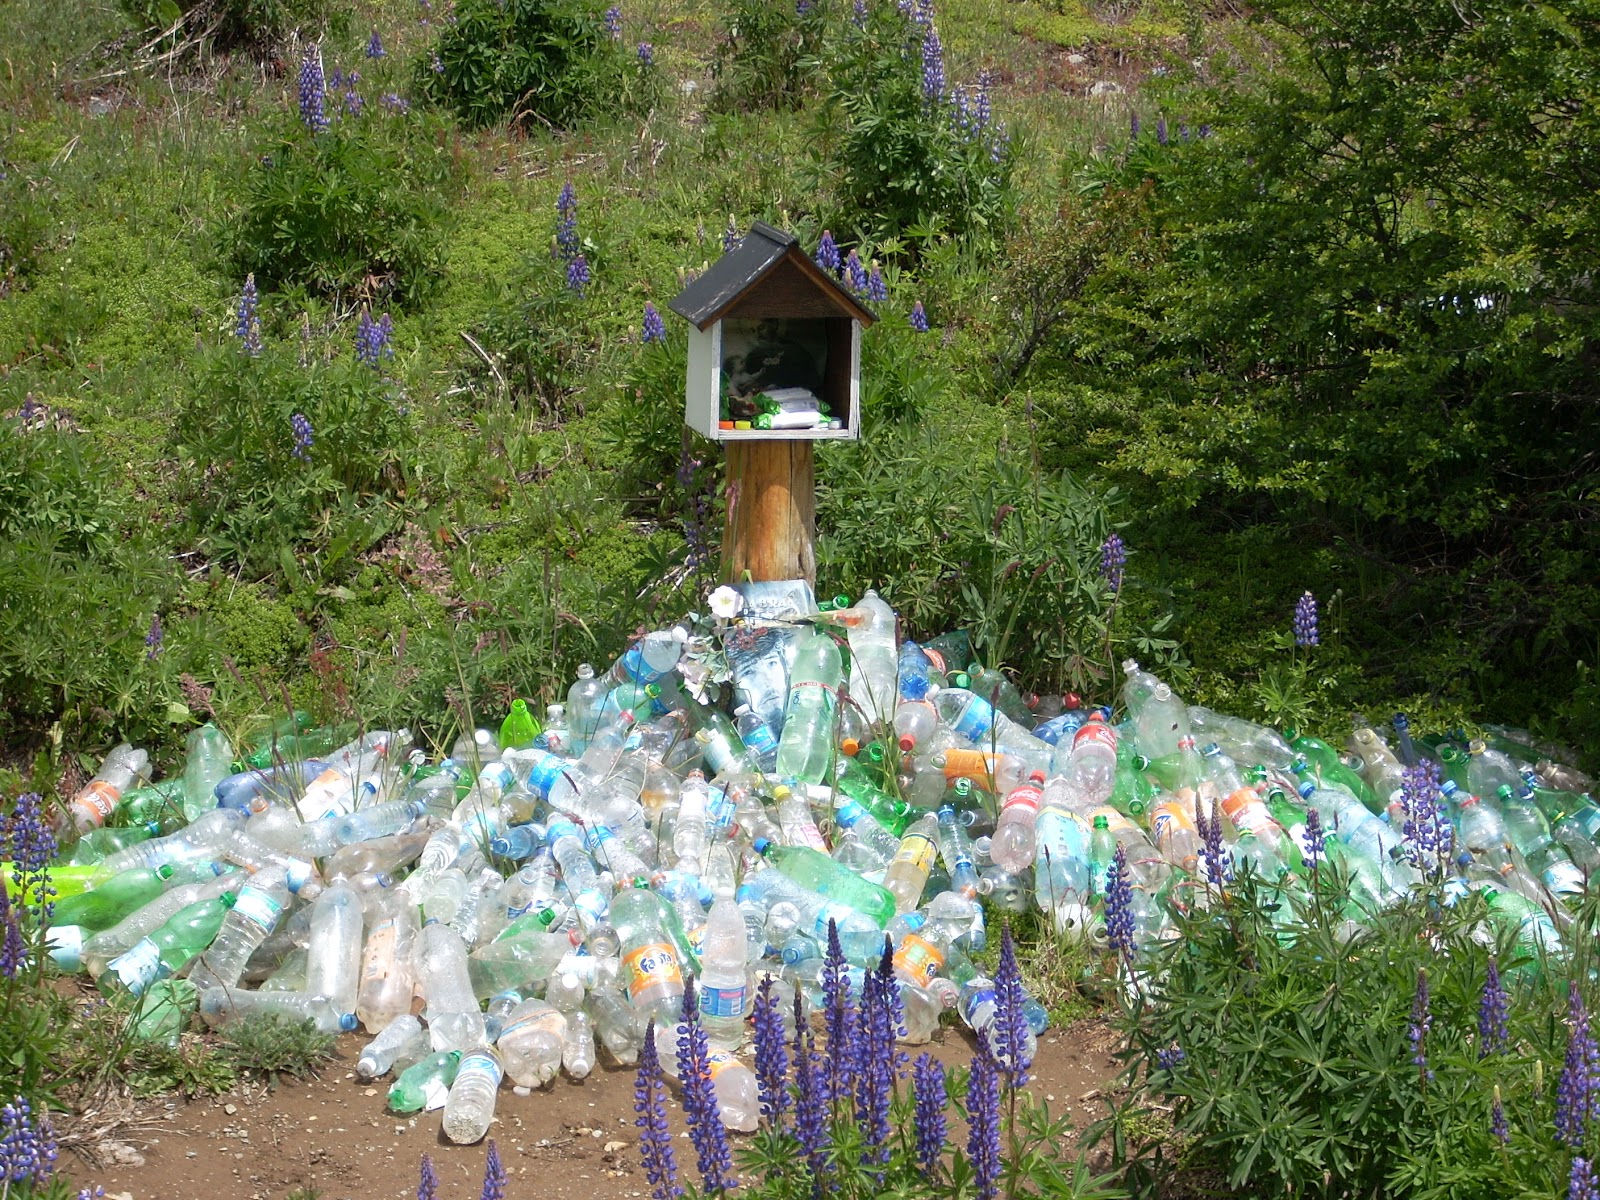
(114, 899)
(425, 1085)
(169, 949)
(815, 870)
(806, 748)
(1330, 767)
(1131, 793)
(856, 782)
(519, 728)
(93, 846)
(160, 804)
(299, 747)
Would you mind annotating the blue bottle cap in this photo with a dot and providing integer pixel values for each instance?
(761, 845)
(347, 1022)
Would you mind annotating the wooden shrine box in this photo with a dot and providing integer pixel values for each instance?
(764, 318)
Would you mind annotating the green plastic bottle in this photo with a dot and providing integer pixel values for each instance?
(169, 949)
(815, 870)
(1329, 766)
(424, 1085)
(160, 803)
(114, 899)
(299, 747)
(857, 783)
(519, 728)
(95, 845)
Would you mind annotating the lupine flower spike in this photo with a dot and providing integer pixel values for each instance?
(300, 426)
(712, 1156)
(27, 1148)
(877, 290)
(313, 87)
(1582, 1185)
(647, 54)
(1305, 620)
(428, 1183)
(375, 46)
(1119, 907)
(654, 329)
(827, 256)
(655, 1139)
(983, 1123)
(614, 22)
(1012, 1037)
(1497, 1120)
(772, 1057)
(928, 1087)
(578, 274)
(932, 65)
(855, 273)
(1316, 838)
(1493, 1014)
(919, 318)
(13, 947)
(248, 327)
(838, 1017)
(1421, 1022)
(1113, 561)
(153, 639)
(1575, 1093)
(494, 1176)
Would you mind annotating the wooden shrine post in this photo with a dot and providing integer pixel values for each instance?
(772, 512)
(768, 324)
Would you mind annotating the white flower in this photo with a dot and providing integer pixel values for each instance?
(725, 603)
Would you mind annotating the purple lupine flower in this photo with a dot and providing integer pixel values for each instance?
(300, 426)
(27, 1147)
(1133, 124)
(1119, 906)
(567, 222)
(983, 110)
(1113, 561)
(1494, 1026)
(1013, 1040)
(928, 1087)
(730, 236)
(428, 1181)
(922, 12)
(879, 1026)
(13, 948)
(827, 256)
(1497, 1120)
(614, 22)
(919, 317)
(578, 274)
(1212, 849)
(655, 1139)
(983, 1123)
(335, 81)
(494, 1174)
(1305, 620)
(854, 273)
(1428, 832)
(655, 329)
(932, 65)
(877, 289)
(647, 54)
(810, 1101)
(313, 88)
(1161, 130)
(772, 1059)
(712, 1156)
(1204, 132)
(31, 846)
(435, 62)
(395, 103)
(802, 7)
(1575, 1094)
(154, 638)
(375, 50)
(838, 1017)
(1170, 1058)
(1581, 1184)
(861, 14)
(248, 325)
(1183, 131)
(1421, 1022)
(353, 103)
(372, 339)
(1316, 838)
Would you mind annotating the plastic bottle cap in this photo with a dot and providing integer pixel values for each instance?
(762, 845)
(907, 742)
(347, 1022)
(850, 746)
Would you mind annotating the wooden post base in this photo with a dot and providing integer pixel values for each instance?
(772, 512)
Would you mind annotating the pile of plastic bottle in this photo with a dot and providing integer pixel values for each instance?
(708, 807)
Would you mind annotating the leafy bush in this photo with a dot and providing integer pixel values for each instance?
(25, 226)
(766, 57)
(1284, 1045)
(360, 207)
(255, 488)
(274, 1046)
(546, 61)
(906, 155)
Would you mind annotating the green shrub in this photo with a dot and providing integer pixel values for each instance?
(906, 155)
(549, 62)
(360, 207)
(1282, 1045)
(766, 56)
(255, 491)
(26, 225)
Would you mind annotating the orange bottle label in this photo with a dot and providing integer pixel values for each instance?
(98, 798)
(919, 959)
(651, 964)
(1167, 819)
(968, 764)
(1245, 810)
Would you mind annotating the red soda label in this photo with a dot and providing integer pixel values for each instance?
(1095, 731)
(97, 800)
(1024, 799)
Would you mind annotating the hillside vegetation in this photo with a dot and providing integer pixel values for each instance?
(1294, 300)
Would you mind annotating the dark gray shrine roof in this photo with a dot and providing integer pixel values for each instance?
(736, 272)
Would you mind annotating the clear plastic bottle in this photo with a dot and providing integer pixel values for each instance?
(874, 661)
(1011, 848)
(875, 847)
(690, 835)
(583, 708)
(577, 1051)
(955, 848)
(799, 827)
(733, 1083)
(225, 1005)
(757, 736)
(530, 1043)
(470, 1106)
(167, 950)
(1159, 718)
(387, 980)
(907, 874)
(1061, 861)
(651, 963)
(1089, 762)
(724, 990)
(121, 771)
(100, 949)
(206, 837)
(617, 1023)
(454, 1021)
(333, 965)
(401, 1039)
(806, 748)
(255, 914)
(209, 762)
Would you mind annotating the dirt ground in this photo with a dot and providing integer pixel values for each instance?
(335, 1137)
